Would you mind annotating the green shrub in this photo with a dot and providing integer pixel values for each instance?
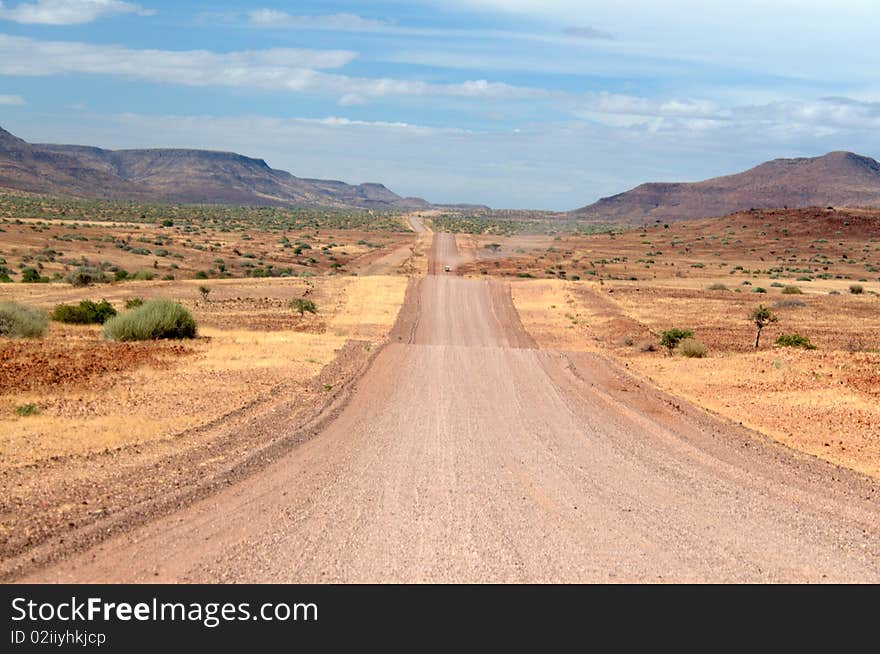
(120, 275)
(692, 348)
(759, 289)
(671, 337)
(5, 278)
(142, 275)
(85, 313)
(717, 287)
(794, 340)
(856, 289)
(133, 303)
(32, 276)
(152, 320)
(24, 410)
(19, 321)
(792, 290)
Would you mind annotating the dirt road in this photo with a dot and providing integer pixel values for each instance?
(468, 455)
(400, 259)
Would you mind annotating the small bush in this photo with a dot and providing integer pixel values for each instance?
(142, 275)
(32, 276)
(86, 276)
(759, 289)
(856, 289)
(133, 303)
(671, 337)
(717, 287)
(792, 290)
(794, 340)
(19, 321)
(692, 348)
(790, 304)
(24, 410)
(152, 320)
(647, 346)
(85, 313)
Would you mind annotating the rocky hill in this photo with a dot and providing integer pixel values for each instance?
(835, 179)
(176, 175)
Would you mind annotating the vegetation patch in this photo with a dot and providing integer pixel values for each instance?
(692, 348)
(86, 276)
(670, 338)
(303, 306)
(794, 340)
(19, 321)
(84, 313)
(153, 320)
(25, 410)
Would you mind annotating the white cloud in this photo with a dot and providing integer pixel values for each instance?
(277, 69)
(821, 117)
(11, 100)
(275, 18)
(68, 12)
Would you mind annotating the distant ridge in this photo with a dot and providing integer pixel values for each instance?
(835, 179)
(177, 175)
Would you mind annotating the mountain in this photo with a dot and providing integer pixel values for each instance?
(177, 175)
(835, 179)
(26, 167)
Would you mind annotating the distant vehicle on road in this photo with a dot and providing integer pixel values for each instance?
(446, 268)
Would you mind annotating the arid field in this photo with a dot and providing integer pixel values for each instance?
(98, 435)
(615, 293)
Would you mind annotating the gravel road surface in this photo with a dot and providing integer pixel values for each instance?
(466, 454)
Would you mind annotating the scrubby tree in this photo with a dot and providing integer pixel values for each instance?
(672, 337)
(205, 291)
(302, 305)
(761, 316)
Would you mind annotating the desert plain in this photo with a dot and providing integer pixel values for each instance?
(99, 438)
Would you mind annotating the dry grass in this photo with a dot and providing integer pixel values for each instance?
(250, 344)
(824, 402)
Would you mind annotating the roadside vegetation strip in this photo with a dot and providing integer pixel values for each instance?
(508, 223)
(197, 243)
(72, 211)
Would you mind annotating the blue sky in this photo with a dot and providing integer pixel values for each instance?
(512, 103)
